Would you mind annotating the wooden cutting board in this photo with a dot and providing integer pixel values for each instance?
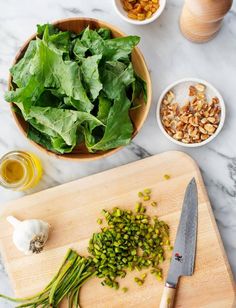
(72, 209)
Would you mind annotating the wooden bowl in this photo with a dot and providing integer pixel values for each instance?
(138, 115)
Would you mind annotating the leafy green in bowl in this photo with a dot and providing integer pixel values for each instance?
(76, 91)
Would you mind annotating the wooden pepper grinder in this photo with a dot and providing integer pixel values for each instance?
(201, 19)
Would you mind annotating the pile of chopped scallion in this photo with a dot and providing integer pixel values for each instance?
(129, 241)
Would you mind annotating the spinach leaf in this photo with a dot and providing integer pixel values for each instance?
(27, 95)
(60, 146)
(48, 99)
(139, 89)
(119, 128)
(104, 105)
(120, 48)
(54, 144)
(51, 29)
(89, 69)
(111, 49)
(93, 41)
(62, 121)
(104, 33)
(59, 42)
(21, 70)
(48, 70)
(42, 128)
(52, 71)
(40, 138)
(79, 49)
(78, 105)
(115, 80)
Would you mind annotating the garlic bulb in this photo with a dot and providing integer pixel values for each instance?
(29, 236)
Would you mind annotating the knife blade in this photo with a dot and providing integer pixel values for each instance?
(183, 256)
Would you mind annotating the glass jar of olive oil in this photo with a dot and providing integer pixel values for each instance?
(20, 170)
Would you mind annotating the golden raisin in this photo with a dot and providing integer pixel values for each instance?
(141, 16)
(140, 9)
(149, 14)
(132, 16)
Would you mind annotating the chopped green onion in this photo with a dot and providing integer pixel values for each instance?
(99, 221)
(146, 198)
(166, 176)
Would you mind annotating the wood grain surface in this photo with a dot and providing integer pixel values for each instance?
(72, 210)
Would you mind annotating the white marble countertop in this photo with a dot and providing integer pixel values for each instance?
(169, 57)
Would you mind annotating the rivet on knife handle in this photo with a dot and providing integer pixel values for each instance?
(168, 296)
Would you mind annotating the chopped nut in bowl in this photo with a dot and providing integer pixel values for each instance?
(191, 112)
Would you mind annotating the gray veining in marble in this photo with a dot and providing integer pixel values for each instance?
(169, 57)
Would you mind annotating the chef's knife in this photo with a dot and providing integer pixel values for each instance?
(183, 257)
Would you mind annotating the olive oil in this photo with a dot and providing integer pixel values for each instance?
(20, 170)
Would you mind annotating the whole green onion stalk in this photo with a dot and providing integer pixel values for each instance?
(73, 273)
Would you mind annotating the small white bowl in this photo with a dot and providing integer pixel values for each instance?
(180, 89)
(124, 15)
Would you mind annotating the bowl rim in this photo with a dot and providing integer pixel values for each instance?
(100, 154)
(222, 116)
(121, 13)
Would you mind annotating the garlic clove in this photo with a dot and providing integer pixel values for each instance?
(13, 221)
(30, 235)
